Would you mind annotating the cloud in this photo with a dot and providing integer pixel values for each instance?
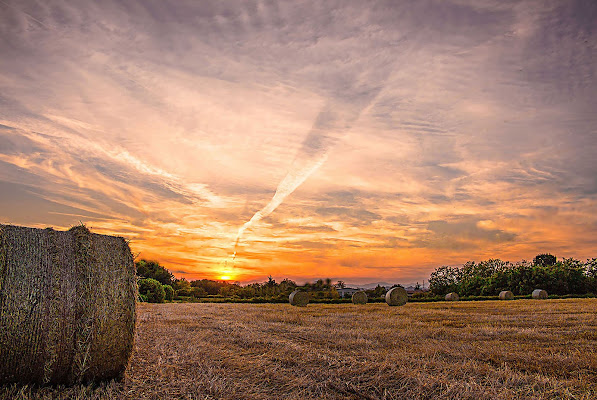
(348, 215)
(174, 123)
(461, 234)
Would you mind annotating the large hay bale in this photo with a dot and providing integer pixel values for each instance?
(299, 298)
(453, 296)
(506, 295)
(396, 297)
(67, 305)
(359, 298)
(539, 294)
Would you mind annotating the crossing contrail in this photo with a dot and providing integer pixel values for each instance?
(332, 123)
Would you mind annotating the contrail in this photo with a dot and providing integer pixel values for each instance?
(330, 125)
(291, 181)
(333, 121)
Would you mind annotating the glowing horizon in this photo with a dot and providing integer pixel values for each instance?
(360, 142)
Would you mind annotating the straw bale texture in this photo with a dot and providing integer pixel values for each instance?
(299, 298)
(452, 296)
(359, 298)
(67, 305)
(539, 294)
(396, 297)
(506, 295)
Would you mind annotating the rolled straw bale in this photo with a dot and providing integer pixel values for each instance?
(359, 298)
(506, 295)
(299, 298)
(67, 305)
(539, 294)
(453, 296)
(396, 296)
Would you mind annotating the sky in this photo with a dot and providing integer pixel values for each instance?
(358, 140)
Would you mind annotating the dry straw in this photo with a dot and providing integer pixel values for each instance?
(506, 295)
(299, 298)
(396, 297)
(539, 294)
(453, 296)
(67, 305)
(359, 298)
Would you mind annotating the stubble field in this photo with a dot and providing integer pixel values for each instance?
(466, 350)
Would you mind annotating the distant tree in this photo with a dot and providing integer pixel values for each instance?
(544, 260)
(211, 287)
(319, 285)
(169, 292)
(198, 292)
(153, 270)
(444, 280)
(152, 290)
(181, 284)
(379, 290)
(270, 281)
(340, 285)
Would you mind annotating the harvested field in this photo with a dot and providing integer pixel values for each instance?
(466, 350)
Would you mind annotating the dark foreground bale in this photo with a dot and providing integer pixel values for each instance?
(396, 296)
(67, 305)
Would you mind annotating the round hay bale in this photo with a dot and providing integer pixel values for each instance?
(299, 298)
(396, 297)
(359, 298)
(453, 296)
(67, 306)
(506, 295)
(539, 294)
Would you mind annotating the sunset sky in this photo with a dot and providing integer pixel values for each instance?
(400, 135)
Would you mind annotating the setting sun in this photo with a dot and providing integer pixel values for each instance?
(225, 277)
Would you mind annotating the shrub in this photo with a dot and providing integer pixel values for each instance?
(152, 289)
(169, 292)
(198, 292)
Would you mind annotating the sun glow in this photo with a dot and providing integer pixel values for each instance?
(225, 277)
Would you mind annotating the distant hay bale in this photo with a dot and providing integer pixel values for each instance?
(67, 305)
(506, 295)
(539, 294)
(396, 296)
(453, 296)
(359, 298)
(299, 298)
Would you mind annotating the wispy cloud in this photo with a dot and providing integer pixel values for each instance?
(410, 135)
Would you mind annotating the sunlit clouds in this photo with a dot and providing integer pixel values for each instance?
(403, 135)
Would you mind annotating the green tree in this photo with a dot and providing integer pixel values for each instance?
(181, 284)
(152, 290)
(544, 260)
(444, 280)
(198, 292)
(169, 292)
(152, 269)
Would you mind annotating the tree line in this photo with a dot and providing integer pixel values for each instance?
(488, 278)
(157, 284)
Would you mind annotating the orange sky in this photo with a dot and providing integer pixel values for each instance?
(398, 137)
